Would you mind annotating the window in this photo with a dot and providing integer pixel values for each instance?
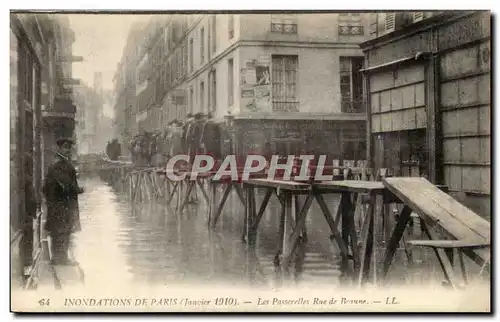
(202, 96)
(184, 59)
(418, 16)
(172, 70)
(191, 64)
(209, 42)
(179, 63)
(286, 24)
(202, 45)
(351, 30)
(351, 85)
(230, 81)
(214, 33)
(284, 81)
(213, 105)
(349, 14)
(390, 21)
(373, 23)
(166, 40)
(230, 26)
(191, 99)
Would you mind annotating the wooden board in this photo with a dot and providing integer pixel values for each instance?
(285, 185)
(357, 186)
(448, 243)
(69, 275)
(436, 207)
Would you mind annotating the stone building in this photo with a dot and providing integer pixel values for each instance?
(290, 80)
(41, 109)
(428, 92)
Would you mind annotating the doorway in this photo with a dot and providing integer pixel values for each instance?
(287, 146)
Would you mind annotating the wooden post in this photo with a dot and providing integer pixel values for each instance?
(377, 231)
(397, 234)
(287, 204)
(365, 238)
(212, 200)
(345, 203)
(250, 214)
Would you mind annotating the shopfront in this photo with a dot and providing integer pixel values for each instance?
(338, 140)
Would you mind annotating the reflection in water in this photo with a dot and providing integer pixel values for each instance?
(149, 244)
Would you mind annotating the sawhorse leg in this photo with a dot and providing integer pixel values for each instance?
(333, 223)
(218, 211)
(289, 244)
(201, 185)
(190, 184)
(251, 226)
(369, 236)
(397, 234)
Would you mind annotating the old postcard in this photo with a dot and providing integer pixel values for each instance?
(250, 162)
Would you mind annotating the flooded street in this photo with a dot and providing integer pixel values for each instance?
(148, 244)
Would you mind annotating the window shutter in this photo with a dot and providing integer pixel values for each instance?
(390, 21)
(418, 16)
(373, 23)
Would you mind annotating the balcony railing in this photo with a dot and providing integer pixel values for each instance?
(353, 106)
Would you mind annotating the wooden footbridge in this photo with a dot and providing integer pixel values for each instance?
(369, 225)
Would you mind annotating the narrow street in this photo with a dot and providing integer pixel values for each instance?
(149, 245)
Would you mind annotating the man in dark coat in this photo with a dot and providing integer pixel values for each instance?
(61, 193)
(187, 132)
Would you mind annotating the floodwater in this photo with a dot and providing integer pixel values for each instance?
(149, 244)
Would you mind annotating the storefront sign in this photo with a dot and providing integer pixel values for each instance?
(248, 93)
(249, 76)
(264, 60)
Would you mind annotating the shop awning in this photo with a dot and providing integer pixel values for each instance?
(417, 57)
(303, 116)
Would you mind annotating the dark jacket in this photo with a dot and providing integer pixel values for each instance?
(61, 193)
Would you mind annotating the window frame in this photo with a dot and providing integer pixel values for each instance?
(283, 86)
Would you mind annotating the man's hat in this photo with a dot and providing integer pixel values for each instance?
(60, 141)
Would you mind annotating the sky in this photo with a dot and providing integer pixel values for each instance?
(100, 39)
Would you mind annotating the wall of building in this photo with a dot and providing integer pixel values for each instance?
(318, 75)
(311, 28)
(451, 100)
(319, 42)
(34, 88)
(221, 66)
(465, 106)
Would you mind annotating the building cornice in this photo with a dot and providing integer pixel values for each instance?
(300, 44)
(213, 61)
(253, 43)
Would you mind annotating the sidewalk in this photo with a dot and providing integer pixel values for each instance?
(58, 276)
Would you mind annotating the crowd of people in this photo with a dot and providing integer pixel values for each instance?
(198, 134)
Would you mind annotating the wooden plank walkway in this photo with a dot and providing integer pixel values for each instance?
(439, 209)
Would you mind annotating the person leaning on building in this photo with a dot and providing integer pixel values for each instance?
(61, 193)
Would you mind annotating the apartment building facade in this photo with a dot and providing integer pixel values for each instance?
(428, 91)
(291, 80)
(124, 92)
